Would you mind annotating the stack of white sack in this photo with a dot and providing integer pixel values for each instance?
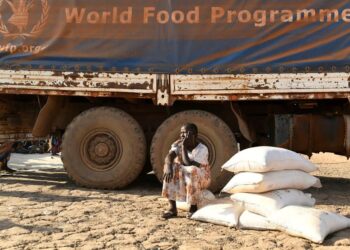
(268, 179)
(263, 169)
(266, 196)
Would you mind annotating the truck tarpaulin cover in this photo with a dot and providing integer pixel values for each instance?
(179, 36)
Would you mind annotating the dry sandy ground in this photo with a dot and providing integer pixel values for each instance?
(41, 209)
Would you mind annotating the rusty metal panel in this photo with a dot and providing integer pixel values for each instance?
(309, 133)
(16, 136)
(17, 118)
(107, 83)
(223, 84)
(261, 86)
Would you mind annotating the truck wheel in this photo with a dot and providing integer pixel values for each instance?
(104, 148)
(212, 131)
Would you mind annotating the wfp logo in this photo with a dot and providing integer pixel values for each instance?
(19, 18)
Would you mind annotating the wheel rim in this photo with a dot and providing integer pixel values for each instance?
(101, 150)
(211, 148)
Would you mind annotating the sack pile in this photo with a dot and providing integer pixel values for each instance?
(263, 169)
(266, 195)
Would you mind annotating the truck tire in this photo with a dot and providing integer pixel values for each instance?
(104, 148)
(212, 131)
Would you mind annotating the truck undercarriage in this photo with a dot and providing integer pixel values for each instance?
(115, 123)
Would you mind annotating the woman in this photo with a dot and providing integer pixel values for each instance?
(186, 171)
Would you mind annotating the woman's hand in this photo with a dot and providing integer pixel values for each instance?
(168, 173)
(186, 141)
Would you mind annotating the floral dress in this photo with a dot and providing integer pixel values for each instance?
(188, 181)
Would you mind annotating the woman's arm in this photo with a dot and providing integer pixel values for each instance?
(168, 169)
(186, 160)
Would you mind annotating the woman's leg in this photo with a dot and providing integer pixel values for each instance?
(197, 179)
(171, 192)
(172, 212)
(192, 184)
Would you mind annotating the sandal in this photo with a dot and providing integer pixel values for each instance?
(189, 215)
(9, 170)
(169, 214)
(193, 209)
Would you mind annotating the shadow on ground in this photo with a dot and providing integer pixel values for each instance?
(334, 191)
(335, 238)
(8, 224)
(145, 184)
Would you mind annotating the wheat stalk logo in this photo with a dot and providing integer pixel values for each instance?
(20, 18)
(20, 10)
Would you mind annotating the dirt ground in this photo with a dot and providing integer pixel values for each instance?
(41, 209)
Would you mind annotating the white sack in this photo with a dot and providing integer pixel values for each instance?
(263, 182)
(266, 204)
(309, 223)
(265, 159)
(205, 197)
(249, 220)
(221, 212)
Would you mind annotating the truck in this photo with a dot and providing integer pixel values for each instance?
(119, 78)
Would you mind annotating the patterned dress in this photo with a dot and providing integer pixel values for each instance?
(188, 181)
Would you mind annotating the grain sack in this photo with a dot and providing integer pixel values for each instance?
(249, 220)
(221, 212)
(309, 223)
(265, 159)
(263, 182)
(205, 197)
(266, 204)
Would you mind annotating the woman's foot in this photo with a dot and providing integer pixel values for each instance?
(193, 209)
(9, 170)
(5, 168)
(169, 214)
(172, 212)
(189, 215)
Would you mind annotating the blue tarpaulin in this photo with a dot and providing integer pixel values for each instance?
(179, 36)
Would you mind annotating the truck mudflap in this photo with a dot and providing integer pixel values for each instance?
(17, 117)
